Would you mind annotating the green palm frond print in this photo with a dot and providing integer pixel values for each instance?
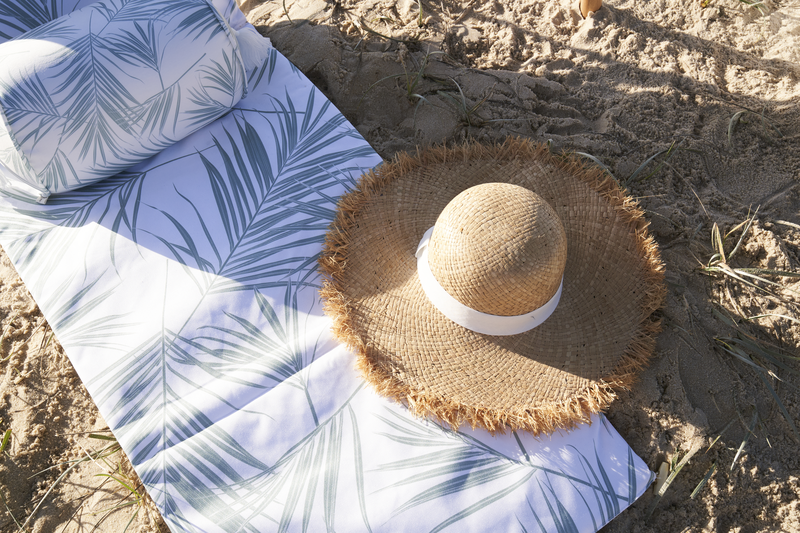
(24, 15)
(88, 95)
(184, 290)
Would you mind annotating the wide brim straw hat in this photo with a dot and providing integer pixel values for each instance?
(514, 230)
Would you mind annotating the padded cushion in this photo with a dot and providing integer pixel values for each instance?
(92, 93)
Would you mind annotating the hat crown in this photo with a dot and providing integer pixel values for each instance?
(499, 248)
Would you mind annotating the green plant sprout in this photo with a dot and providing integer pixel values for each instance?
(636, 175)
(743, 346)
(713, 467)
(740, 117)
(668, 152)
(119, 477)
(699, 487)
(597, 162)
(412, 79)
(6, 440)
(286, 12)
(361, 25)
(719, 263)
(676, 465)
(111, 472)
(755, 5)
(468, 113)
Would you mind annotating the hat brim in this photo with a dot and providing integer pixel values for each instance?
(601, 334)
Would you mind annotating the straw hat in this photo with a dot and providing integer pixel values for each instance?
(499, 286)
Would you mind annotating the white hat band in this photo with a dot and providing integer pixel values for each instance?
(470, 318)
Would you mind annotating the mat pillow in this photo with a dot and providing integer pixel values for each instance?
(92, 93)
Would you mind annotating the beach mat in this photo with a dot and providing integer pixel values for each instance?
(185, 293)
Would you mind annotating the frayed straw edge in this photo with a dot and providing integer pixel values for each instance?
(560, 415)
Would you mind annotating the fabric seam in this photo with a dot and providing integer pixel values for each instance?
(230, 32)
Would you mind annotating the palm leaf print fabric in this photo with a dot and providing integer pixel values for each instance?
(185, 293)
(91, 93)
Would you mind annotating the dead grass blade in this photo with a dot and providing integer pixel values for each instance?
(782, 408)
(719, 262)
(286, 12)
(360, 24)
(703, 482)
(676, 468)
(737, 352)
(748, 274)
(747, 277)
(102, 437)
(746, 438)
(734, 347)
(108, 450)
(468, 112)
(412, 79)
(748, 223)
(759, 355)
(725, 319)
(732, 123)
(769, 272)
(786, 223)
(8, 510)
(597, 162)
(761, 348)
(719, 435)
(669, 152)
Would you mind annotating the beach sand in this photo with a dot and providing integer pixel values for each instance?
(712, 86)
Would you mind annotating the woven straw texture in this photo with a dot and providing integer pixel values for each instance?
(499, 248)
(599, 337)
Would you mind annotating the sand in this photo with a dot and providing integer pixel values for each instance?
(632, 80)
